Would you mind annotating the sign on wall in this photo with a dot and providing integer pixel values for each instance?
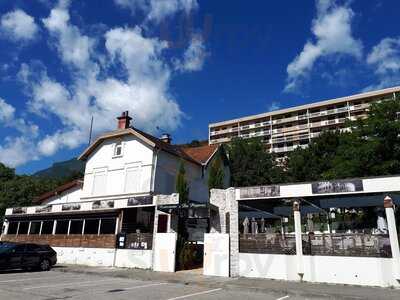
(141, 200)
(103, 204)
(337, 186)
(260, 191)
(19, 210)
(72, 206)
(43, 209)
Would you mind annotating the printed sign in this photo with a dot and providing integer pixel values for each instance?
(338, 186)
(103, 204)
(67, 207)
(142, 200)
(260, 191)
(43, 209)
(19, 210)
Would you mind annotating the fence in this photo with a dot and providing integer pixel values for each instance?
(355, 244)
(274, 243)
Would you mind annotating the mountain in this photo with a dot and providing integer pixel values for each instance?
(63, 169)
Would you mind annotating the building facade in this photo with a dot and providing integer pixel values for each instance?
(128, 174)
(286, 129)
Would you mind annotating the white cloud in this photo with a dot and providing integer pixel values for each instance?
(6, 111)
(274, 105)
(74, 48)
(333, 36)
(18, 26)
(17, 151)
(194, 56)
(157, 10)
(384, 58)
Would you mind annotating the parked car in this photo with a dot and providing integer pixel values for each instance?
(26, 256)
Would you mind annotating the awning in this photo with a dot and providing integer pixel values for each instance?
(103, 213)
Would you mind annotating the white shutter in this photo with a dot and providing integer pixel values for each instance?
(133, 179)
(99, 183)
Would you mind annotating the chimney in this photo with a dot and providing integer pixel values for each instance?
(166, 138)
(124, 121)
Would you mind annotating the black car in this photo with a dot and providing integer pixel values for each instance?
(26, 256)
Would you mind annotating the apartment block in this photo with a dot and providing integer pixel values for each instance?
(286, 129)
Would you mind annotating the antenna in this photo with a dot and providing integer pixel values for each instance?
(90, 132)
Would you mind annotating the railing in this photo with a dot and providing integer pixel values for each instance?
(359, 245)
(267, 243)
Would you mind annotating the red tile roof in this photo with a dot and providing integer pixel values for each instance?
(202, 154)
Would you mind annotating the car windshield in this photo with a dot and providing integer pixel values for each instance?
(4, 248)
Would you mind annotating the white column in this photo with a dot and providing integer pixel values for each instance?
(299, 245)
(29, 227)
(54, 227)
(6, 224)
(394, 242)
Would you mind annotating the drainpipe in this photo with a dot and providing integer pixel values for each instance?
(394, 242)
(299, 246)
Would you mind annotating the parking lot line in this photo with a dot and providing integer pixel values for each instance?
(69, 283)
(195, 294)
(143, 286)
(284, 297)
(29, 279)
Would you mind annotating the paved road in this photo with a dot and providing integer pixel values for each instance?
(58, 285)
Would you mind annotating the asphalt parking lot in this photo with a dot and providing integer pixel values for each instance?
(54, 285)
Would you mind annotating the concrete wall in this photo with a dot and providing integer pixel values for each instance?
(85, 256)
(105, 257)
(135, 152)
(69, 196)
(126, 258)
(366, 271)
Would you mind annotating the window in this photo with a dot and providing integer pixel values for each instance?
(35, 227)
(99, 182)
(133, 179)
(118, 149)
(47, 227)
(12, 228)
(62, 226)
(107, 226)
(76, 227)
(23, 227)
(91, 226)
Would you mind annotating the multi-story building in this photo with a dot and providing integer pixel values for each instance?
(286, 129)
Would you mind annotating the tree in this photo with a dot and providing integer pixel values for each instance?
(182, 187)
(251, 164)
(216, 176)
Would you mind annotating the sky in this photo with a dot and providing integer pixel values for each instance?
(177, 65)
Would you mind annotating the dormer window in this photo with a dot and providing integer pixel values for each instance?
(118, 149)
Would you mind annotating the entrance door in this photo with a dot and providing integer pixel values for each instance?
(164, 252)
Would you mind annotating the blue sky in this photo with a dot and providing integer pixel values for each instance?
(178, 65)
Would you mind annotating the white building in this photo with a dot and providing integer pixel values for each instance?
(128, 173)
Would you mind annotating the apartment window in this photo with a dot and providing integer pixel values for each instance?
(118, 149)
(23, 227)
(47, 227)
(107, 226)
(12, 228)
(133, 179)
(35, 227)
(92, 226)
(62, 226)
(99, 182)
(76, 227)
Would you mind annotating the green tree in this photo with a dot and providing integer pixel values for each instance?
(216, 175)
(251, 164)
(182, 187)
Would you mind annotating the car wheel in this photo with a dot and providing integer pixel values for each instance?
(45, 265)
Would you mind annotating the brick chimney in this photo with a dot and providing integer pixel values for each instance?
(166, 138)
(124, 121)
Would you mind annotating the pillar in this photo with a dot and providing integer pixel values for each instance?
(299, 245)
(232, 202)
(394, 242)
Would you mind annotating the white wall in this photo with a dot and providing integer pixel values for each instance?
(165, 177)
(135, 152)
(141, 259)
(366, 271)
(71, 195)
(85, 256)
